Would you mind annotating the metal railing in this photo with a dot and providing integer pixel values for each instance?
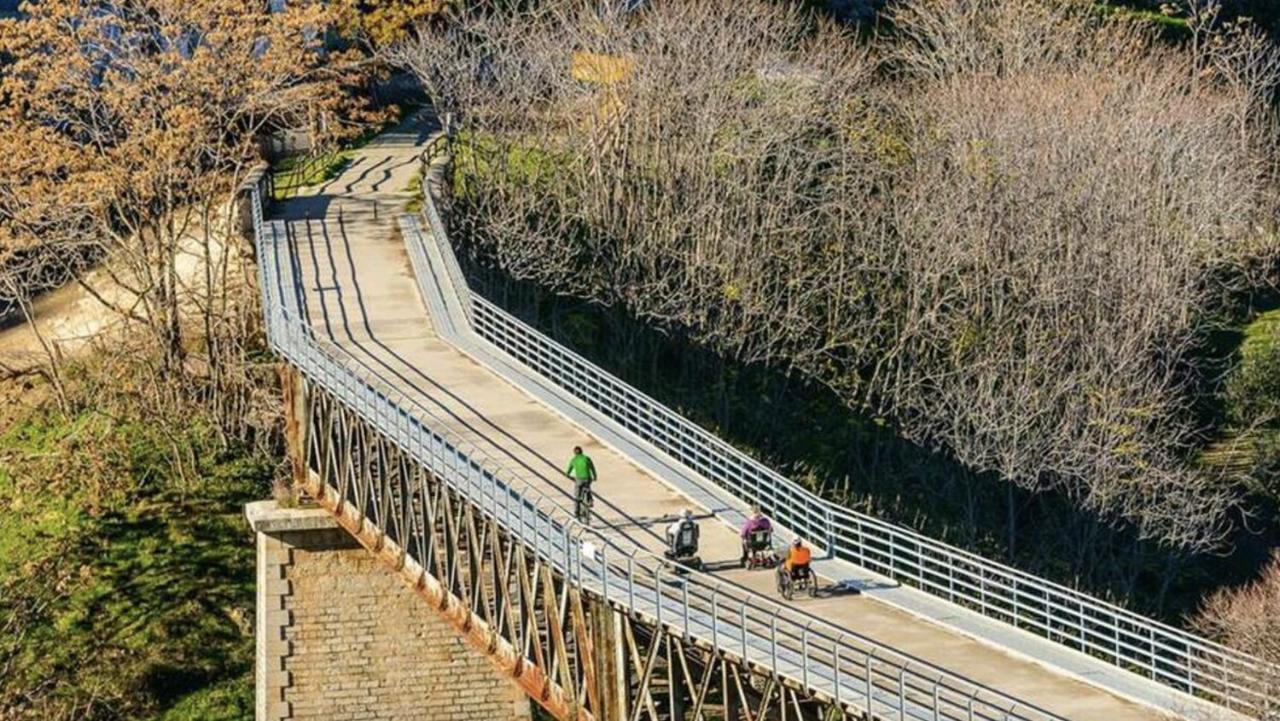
(1166, 654)
(836, 666)
(1142, 645)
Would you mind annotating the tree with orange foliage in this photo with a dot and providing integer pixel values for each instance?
(125, 128)
(381, 23)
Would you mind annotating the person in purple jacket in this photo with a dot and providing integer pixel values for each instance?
(755, 522)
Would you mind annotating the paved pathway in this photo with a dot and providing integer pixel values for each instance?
(359, 291)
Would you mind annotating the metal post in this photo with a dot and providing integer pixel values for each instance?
(657, 595)
(631, 581)
(804, 654)
(835, 672)
(715, 626)
(684, 600)
(773, 642)
(870, 686)
(604, 574)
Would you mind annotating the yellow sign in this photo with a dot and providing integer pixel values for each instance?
(598, 68)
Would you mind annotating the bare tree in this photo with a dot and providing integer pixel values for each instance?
(1005, 227)
(1248, 619)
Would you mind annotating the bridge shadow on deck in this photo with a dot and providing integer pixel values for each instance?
(344, 320)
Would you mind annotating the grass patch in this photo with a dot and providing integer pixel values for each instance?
(293, 173)
(479, 157)
(1249, 447)
(230, 700)
(415, 186)
(126, 591)
(1169, 26)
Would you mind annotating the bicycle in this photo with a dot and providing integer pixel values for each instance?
(582, 503)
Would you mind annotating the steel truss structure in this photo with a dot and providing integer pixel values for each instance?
(583, 637)
(576, 655)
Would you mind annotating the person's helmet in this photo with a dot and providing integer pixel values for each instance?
(797, 543)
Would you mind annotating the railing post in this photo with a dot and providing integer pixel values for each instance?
(631, 581)
(831, 531)
(773, 642)
(1151, 650)
(604, 574)
(657, 594)
(804, 655)
(580, 547)
(684, 601)
(715, 626)
(893, 555)
(1017, 616)
(835, 671)
(870, 685)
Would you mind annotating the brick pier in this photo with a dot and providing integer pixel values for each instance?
(341, 638)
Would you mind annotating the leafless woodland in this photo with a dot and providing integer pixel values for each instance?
(1003, 225)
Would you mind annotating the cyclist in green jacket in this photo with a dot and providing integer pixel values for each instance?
(583, 472)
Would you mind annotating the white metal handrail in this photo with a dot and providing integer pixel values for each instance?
(1169, 655)
(846, 668)
(1164, 653)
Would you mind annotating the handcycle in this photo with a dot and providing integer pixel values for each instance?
(797, 578)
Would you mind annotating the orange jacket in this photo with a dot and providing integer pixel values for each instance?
(798, 556)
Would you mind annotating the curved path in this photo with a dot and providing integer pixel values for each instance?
(359, 290)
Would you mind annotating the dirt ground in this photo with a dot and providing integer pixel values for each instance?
(70, 317)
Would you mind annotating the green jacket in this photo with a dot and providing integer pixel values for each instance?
(581, 468)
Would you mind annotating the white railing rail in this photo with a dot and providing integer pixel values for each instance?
(844, 668)
(1173, 657)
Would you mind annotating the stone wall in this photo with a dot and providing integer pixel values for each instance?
(342, 638)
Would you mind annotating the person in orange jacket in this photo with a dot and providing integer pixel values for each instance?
(798, 556)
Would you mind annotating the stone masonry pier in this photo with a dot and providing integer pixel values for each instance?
(340, 637)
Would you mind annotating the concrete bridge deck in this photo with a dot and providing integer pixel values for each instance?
(357, 288)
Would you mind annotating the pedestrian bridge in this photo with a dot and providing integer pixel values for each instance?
(435, 427)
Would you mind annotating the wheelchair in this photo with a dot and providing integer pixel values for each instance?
(760, 550)
(682, 548)
(799, 578)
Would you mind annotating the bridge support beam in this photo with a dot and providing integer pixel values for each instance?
(611, 668)
(296, 408)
